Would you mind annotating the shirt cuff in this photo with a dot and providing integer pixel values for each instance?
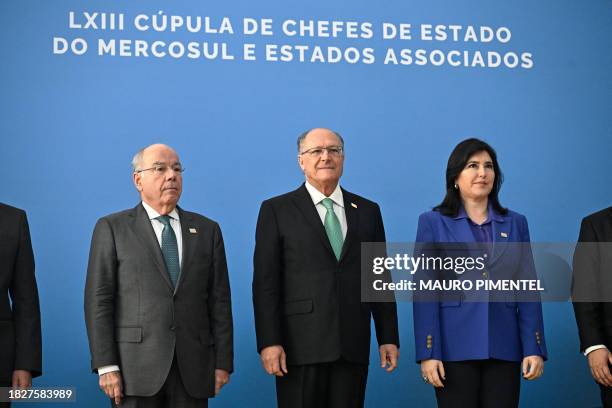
(593, 348)
(108, 369)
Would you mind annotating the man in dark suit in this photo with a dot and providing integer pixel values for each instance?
(313, 331)
(157, 297)
(592, 296)
(20, 339)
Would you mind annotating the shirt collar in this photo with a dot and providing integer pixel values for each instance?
(318, 196)
(154, 214)
(492, 215)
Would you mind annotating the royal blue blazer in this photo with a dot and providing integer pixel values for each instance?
(458, 330)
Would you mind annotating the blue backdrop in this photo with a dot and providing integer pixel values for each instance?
(70, 124)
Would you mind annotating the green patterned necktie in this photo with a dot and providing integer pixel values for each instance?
(332, 227)
(169, 249)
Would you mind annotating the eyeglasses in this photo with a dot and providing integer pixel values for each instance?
(334, 151)
(160, 169)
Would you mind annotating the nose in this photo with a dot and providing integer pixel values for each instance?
(482, 171)
(324, 155)
(170, 174)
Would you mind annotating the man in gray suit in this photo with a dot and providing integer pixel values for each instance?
(157, 296)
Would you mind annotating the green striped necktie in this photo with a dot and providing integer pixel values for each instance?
(332, 227)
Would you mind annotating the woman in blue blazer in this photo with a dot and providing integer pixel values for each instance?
(472, 352)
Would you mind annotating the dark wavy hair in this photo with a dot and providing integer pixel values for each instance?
(456, 163)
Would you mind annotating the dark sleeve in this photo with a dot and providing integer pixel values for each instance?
(384, 313)
(267, 271)
(100, 289)
(589, 315)
(220, 306)
(26, 309)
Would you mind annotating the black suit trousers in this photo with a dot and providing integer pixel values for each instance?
(606, 395)
(5, 404)
(480, 384)
(338, 384)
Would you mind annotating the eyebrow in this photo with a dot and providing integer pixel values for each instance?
(159, 163)
(477, 162)
(324, 147)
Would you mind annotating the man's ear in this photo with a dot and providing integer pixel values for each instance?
(137, 178)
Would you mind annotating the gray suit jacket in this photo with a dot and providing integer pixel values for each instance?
(137, 321)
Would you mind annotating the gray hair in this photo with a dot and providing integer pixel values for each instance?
(137, 160)
(301, 137)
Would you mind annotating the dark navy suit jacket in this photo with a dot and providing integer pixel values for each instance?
(456, 329)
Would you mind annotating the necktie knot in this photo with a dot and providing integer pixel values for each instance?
(328, 203)
(164, 219)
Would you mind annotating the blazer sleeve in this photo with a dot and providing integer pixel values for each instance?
(267, 273)
(100, 288)
(530, 319)
(384, 313)
(589, 315)
(220, 306)
(426, 312)
(26, 308)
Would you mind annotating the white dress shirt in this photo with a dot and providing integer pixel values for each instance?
(338, 200)
(593, 348)
(158, 227)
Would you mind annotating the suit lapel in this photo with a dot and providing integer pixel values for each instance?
(304, 203)
(458, 230)
(144, 231)
(352, 221)
(189, 243)
(501, 231)
(461, 240)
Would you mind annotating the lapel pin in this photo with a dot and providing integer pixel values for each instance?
(193, 230)
(353, 205)
(503, 234)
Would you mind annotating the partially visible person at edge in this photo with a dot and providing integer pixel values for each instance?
(593, 297)
(20, 338)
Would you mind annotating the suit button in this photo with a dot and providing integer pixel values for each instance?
(172, 328)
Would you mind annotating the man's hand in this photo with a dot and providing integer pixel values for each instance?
(274, 360)
(389, 355)
(533, 367)
(433, 372)
(222, 377)
(599, 361)
(112, 386)
(21, 379)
